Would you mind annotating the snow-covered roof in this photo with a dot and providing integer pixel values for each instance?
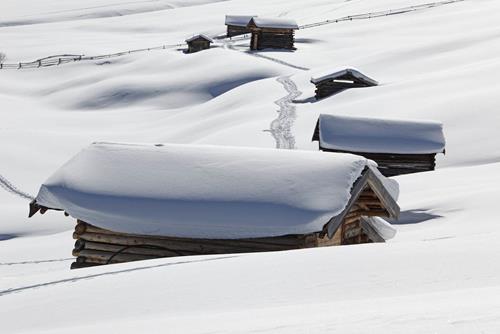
(195, 37)
(339, 72)
(275, 22)
(238, 20)
(203, 191)
(371, 135)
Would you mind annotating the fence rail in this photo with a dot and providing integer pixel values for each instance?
(389, 12)
(64, 59)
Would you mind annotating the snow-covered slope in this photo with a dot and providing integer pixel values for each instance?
(440, 273)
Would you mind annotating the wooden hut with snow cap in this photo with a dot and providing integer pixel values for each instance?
(397, 146)
(238, 24)
(136, 202)
(334, 81)
(272, 33)
(198, 43)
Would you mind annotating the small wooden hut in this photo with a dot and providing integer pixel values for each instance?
(333, 82)
(238, 24)
(143, 201)
(272, 33)
(397, 146)
(198, 43)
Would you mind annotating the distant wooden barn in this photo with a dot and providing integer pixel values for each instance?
(272, 33)
(238, 24)
(335, 81)
(198, 43)
(397, 146)
(143, 202)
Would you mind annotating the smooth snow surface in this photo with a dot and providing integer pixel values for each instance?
(339, 72)
(203, 191)
(373, 135)
(439, 274)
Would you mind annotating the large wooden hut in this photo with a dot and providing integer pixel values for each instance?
(137, 202)
(198, 43)
(272, 33)
(397, 146)
(334, 81)
(238, 24)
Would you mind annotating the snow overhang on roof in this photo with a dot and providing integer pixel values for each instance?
(238, 20)
(203, 191)
(195, 37)
(275, 23)
(371, 135)
(337, 73)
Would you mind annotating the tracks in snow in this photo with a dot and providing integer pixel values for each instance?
(9, 187)
(281, 127)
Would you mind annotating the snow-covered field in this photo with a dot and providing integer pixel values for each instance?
(440, 274)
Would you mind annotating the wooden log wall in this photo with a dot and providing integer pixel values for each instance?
(273, 39)
(330, 87)
(198, 45)
(236, 31)
(390, 164)
(96, 246)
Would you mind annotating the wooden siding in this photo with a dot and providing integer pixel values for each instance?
(391, 164)
(272, 39)
(198, 45)
(237, 30)
(329, 87)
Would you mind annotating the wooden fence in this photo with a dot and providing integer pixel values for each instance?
(64, 59)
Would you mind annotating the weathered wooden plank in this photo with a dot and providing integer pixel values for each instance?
(95, 256)
(273, 243)
(142, 250)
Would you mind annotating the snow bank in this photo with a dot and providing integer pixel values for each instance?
(202, 191)
(339, 72)
(383, 228)
(371, 135)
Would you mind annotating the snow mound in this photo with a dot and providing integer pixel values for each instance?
(203, 191)
(371, 135)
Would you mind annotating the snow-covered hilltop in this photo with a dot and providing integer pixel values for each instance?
(439, 274)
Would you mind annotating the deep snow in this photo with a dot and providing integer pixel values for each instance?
(440, 274)
(202, 191)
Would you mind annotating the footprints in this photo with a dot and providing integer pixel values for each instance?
(5, 184)
(281, 127)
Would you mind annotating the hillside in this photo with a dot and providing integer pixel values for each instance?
(439, 274)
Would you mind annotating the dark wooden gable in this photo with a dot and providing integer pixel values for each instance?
(331, 86)
(197, 44)
(369, 197)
